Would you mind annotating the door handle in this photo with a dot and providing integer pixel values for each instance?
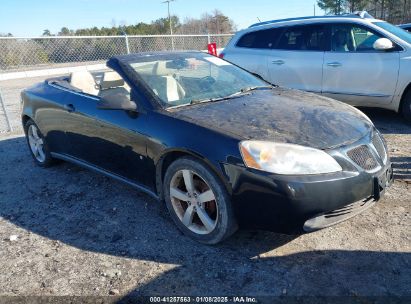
(334, 64)
(278, 62)
(69, 108)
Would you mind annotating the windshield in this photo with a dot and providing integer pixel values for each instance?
(395, 30)
(180, 79)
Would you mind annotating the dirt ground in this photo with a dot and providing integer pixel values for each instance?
(66, 231)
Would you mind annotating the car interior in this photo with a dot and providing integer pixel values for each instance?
(173, 81)
(352, 39)
(164, 82)
(341, 42)
(161, 79)
(99, 84)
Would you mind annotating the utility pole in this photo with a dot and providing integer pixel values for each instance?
(314, 9)
(169, 20)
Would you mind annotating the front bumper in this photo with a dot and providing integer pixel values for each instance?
(303, 203)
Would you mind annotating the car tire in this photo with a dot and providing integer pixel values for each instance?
(406, 106)
(38, 147)
(202, 211)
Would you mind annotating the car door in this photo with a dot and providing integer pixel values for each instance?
(356, 73)
(297, 58)
(110, 140)
(252, 49)
(52, 116)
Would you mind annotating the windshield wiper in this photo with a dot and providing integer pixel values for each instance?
(196, 101)
(234, 95)
(249, 89)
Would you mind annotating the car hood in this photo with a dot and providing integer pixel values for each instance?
(282, 115)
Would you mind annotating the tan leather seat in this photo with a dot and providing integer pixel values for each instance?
(174, 90)
(112, 79)
(84, 81)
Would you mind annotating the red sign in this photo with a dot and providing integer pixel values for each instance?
(212, 49)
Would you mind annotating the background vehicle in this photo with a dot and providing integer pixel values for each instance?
(406, 27)
(219, 145)
(352, 58)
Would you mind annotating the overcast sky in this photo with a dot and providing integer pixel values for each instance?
(31, 17)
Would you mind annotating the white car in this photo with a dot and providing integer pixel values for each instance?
(406, 27)
(353, 58)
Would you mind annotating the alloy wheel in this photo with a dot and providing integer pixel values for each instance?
(36, 143)
(194, 202)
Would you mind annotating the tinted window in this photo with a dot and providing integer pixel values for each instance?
(309, 37)
(353, 38)
(406, 36)
(264, 39)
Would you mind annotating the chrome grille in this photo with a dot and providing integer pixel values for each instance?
(379, 146)
(363, 157)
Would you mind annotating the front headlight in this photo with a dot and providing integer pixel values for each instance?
(286, 158)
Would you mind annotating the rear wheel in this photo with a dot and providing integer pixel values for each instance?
(197, 202)
(37, 145)
(406, 106)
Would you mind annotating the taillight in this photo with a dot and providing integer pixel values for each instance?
(221, 55)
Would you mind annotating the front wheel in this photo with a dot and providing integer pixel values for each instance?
(198, 202)
(37, 145)
(406, 106)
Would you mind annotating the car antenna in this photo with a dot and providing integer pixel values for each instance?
(258, 19)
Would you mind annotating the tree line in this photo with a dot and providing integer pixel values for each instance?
(394, 11)
(214, 23)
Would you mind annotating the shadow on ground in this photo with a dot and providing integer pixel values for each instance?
(402, 167)
(388, 122)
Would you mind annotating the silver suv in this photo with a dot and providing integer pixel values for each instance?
(353, 58)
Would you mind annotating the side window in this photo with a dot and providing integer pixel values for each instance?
(306, 37)
(352, 38)
(264, 39)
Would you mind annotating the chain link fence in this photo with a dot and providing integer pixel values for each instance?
(5, 124)
(20, 53)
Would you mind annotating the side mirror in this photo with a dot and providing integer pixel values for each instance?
(116, 101)
(383, 44)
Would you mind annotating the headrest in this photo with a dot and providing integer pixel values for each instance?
(81, 76)
(84, 81)
(111, 80)
(161, 69)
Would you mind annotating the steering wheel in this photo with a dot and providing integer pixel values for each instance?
(206, 82)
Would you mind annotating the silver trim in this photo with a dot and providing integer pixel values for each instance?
(367, 141)
(73, 92)
(334, 64)
(374, 148)
(356, 94)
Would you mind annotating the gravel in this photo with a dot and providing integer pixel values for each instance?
(70, 232)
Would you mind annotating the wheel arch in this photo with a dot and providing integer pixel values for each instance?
(169, 156)
(24, 119)
(405, 92)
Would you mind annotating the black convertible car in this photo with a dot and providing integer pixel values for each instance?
(220, 146)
